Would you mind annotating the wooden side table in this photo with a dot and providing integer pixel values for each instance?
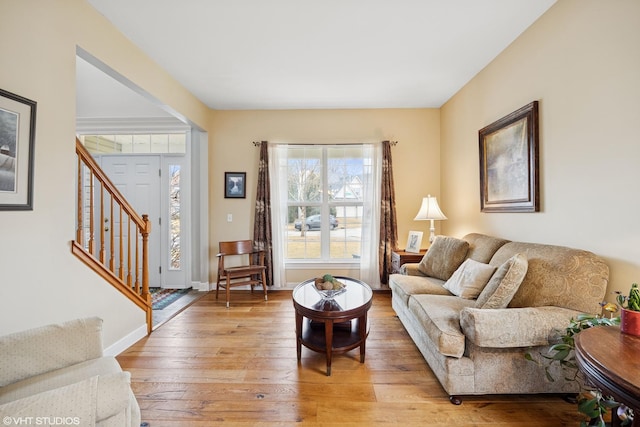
(335, 325)
(402, 257)
(609, 360)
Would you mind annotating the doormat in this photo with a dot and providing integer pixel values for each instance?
(161, 298)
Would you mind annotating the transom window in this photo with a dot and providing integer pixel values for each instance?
(156, 143)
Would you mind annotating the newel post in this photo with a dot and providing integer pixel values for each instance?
(145, 270)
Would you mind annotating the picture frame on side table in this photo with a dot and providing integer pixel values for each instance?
(235, 185)
(413, 242)
(17, 143)
(509, 180)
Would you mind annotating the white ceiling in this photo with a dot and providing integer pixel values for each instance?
(302, 54)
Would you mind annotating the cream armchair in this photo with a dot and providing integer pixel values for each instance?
(58, 374)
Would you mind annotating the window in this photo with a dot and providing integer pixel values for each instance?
(175, 251)
(325, 201)
(163, 143)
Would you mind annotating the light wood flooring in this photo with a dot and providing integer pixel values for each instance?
(213, 366)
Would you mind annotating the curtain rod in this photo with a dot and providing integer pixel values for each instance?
(392, 143)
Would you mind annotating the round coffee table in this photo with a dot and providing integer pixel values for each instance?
(334, 325)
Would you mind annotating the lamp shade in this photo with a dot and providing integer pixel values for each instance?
(429, 210)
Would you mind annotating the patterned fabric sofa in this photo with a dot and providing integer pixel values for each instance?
(474, 306)
(57, 375)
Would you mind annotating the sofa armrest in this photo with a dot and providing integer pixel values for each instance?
(91, 401)
(36, 351)
(411, 269)
(514, 327)
(114, 394)
(75, 403)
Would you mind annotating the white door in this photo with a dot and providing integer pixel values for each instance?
(138, 179)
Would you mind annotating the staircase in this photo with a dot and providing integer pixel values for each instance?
(111, 237)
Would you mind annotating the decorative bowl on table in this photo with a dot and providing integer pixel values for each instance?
(328, 287)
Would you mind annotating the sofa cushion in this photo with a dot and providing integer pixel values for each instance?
(404, 286)
(483, 247)
(439, 315)
(558, 276)
(504, 284)
(514, 327)
(443, 257)
(469, 279)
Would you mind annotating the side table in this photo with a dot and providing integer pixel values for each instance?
(332, 326)
(609, 360)
(403, 257)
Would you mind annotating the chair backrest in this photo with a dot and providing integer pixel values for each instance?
(236, 247)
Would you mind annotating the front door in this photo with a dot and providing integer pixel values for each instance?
(138, 179)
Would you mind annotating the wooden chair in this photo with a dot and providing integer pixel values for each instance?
(253, 273)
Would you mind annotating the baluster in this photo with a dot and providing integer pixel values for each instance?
(102, 248)
(80, 208)
(145, 258)
(129, 251)
(137, 260)
(145, 271)
(121, 248)
(111, 240)
(91, 212)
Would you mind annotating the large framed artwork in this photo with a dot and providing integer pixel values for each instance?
(17, 140)
(234, 185)
(509, 163)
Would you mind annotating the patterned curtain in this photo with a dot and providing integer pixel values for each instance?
(262, 237)
(388, 218)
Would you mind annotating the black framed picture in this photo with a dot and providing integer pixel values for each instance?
(235, 185)
(17, 141)
(509, 163)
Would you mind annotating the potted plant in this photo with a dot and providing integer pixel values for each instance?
(591, 402)
(630, 311)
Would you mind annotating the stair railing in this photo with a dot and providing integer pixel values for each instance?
(111, 237)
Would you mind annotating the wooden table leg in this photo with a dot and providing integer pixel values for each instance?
(328, 335)
(362, 330)
(299, 335)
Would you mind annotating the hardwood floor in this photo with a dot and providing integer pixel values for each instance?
(213, 366)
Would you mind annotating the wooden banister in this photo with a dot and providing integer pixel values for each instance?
(121, 260)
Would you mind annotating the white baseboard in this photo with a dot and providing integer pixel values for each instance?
(201, 286)
(126, 342)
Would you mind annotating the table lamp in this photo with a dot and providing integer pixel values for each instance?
(429, 210)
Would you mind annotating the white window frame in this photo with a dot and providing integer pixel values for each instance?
(325, 205)
(368, 263)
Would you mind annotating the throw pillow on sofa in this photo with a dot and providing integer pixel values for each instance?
(469, 279)
(443, 257)
(504, 284)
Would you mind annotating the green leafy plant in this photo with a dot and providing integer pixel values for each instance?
(592, 403)
(632, 301)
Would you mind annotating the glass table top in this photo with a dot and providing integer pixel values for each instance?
(357, 294)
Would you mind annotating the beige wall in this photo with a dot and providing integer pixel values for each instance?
(40, 280)
(581, 61)
(415, 159)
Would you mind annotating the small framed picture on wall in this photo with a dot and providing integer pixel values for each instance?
(414, 241)
(235, 185)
